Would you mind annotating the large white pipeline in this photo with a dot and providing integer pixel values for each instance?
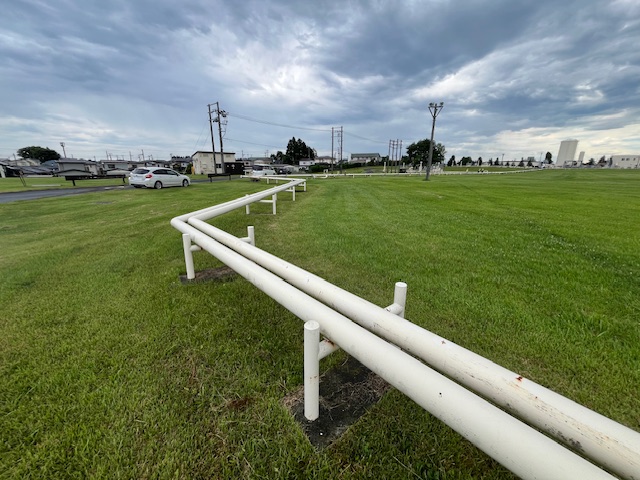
(607, 442)
(520, 448)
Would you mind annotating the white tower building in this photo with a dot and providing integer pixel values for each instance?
(567, 152)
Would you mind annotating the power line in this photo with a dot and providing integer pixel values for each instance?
(363, 138)
(265, 122)
(251, 143)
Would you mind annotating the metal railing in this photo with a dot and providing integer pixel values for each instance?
(452, 383)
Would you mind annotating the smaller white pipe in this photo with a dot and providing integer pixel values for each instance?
(274, 199)
(396, 309)
(327, 347)
(195, 248)
(400, 297)
(251, 235)
(311, 370)
(188, 256)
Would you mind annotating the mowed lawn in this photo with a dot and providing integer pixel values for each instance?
(111, 368)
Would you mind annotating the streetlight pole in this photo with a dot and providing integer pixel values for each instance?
(63, 150)
(434, 109)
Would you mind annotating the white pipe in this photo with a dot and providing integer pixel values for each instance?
(251, 235)
(400, 296)
(311, 370)
(609, 443)
(523, 450)
(188, 256)
(327, 347)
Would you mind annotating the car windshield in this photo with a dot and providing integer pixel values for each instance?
(140, 171)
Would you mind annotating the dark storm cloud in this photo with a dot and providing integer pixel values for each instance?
(124, 73)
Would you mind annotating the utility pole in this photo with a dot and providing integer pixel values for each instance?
(332, 137)
(434, 109)
(224, 115)
(392, 154)
(213, 145)
(63, 150)
(143, 155)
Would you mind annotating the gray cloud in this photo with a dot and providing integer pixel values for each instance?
(118, 75)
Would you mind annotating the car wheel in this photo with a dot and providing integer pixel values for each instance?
(157, 185)
(185, 183)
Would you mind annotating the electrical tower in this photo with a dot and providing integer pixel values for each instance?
(395, 154)
(336, 145)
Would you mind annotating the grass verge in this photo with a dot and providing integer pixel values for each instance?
(110, 368)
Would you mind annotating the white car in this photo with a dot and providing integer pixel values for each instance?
(157, 177)
(261, 171)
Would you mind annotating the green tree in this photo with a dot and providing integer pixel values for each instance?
(297, 149)
(42, 154)
(466, 161)
(548, 157)
(419, 152)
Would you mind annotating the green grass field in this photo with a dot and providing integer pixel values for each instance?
(111, 368)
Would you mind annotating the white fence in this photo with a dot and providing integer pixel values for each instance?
(452, 381)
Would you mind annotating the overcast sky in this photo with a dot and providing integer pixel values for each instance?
(516, 76)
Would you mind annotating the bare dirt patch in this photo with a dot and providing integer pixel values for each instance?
(346, 393)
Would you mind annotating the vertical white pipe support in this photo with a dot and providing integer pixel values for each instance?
(188, 256)
(400, 296)
(311, 370)
(252, 235)
(247, 208)
(274, 199)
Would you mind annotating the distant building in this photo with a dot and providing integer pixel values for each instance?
(581, 158)
(567, 152)
(365, 158)
(74, 167)
(203, 163)
(306, 163)
(625, 161)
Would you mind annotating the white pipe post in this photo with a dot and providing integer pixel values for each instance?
(188, 256)
(311, 370)
(274, 199)
(399, 300)
(400, 296)
(252, 235)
